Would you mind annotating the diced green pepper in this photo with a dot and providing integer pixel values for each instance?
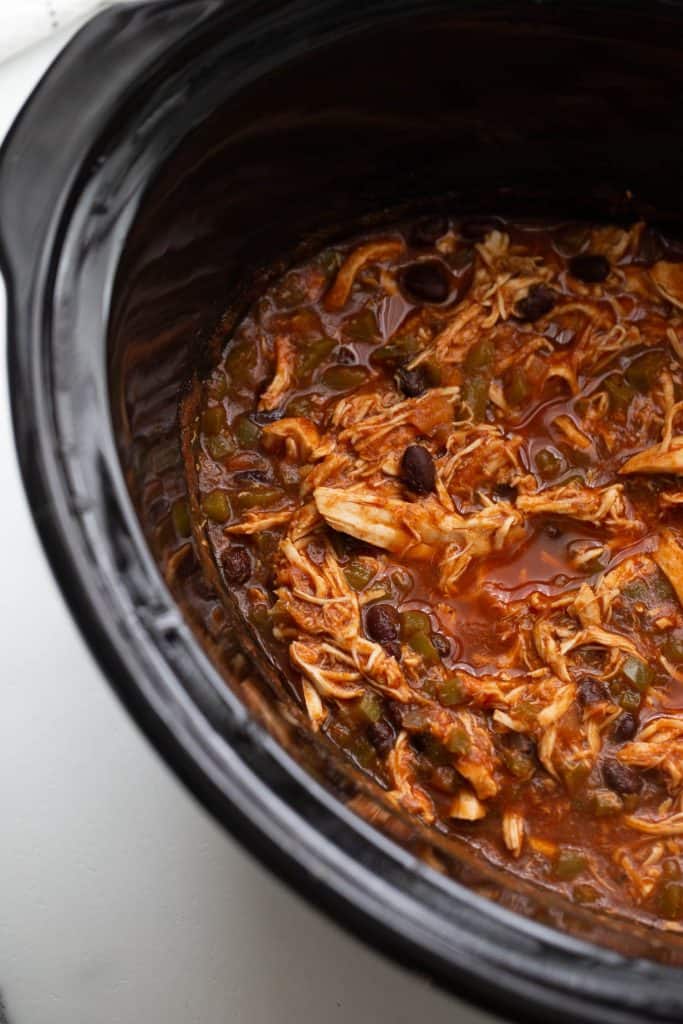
(414, 622)
(370, 706)
(458, 741)
(518, 763)
(604, 802)
(400, 349)
(361, 327)
(216, 506)
(315, 353)
(638, 672)
(451, 691)
(423, 646)
(475, 395)
(435, 751)
(516, 386)
(620, 393)
(629, 700)
(247, 432)
(569, 864)
(643, 372)
(548, 464)
(480, 356)
(415, 719)
(181, 517)
(240, 362)
(220, 446)
(670, 900)
(342, 378)
(358, 574)
(213, 420)
(258, 497)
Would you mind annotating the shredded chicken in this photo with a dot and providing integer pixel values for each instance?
(513, 832)
(300, 436)
(669, 558)
(285, 363)
(606, 505)
(372, 252)
(456, 557)
(668, 278)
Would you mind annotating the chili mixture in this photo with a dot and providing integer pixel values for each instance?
(438, 467)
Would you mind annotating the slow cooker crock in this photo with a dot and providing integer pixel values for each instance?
(171, 152)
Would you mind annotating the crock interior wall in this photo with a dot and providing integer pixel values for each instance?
(565, 115)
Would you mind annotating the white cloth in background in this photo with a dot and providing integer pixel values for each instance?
(23, 22)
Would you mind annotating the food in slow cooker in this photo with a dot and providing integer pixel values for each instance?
(438, 466)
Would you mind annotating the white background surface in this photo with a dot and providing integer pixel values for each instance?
(120, 901)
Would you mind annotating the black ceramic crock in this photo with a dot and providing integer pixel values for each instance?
(170, 151)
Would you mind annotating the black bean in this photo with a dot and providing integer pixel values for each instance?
(395, 713)
(417, 469)
(476, 229)
(413, 382)
(346, 546)
(520, 742)
(590, 691)
(236, 565)
(538, 301)
(590, 267)
(620, 777)
(442, 644)
(427, 230)
(504, 492)
(393, 648)
(426, 281)
(382, 737)
(625, 727)
(382, 623)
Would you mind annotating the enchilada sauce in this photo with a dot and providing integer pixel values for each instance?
(439, 466)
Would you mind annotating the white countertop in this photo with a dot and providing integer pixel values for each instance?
(121, 901)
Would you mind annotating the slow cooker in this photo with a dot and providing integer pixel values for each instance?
(172, 151)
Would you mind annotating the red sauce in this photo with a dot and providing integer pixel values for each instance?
(442, 480)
